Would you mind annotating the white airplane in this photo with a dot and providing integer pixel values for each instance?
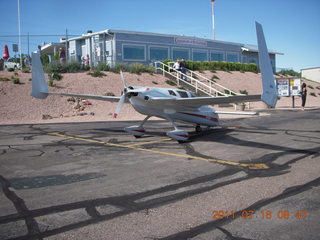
(171, 104)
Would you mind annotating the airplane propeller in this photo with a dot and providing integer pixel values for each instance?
(127, 93)
(122, 98)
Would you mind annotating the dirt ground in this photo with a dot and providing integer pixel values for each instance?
(18, 107)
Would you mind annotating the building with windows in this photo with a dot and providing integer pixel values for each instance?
(117, 46)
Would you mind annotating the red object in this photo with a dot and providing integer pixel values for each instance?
(5, 52)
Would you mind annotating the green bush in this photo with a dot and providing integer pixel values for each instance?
(313, 94)
(224, 66)
(4, 79)
(138, 68)
(55, 67)
(50, 83)
(15, 80)
(102, 66)
(166, 63)
(73, 67)
(10, 69)
(245, 92)
(55, 76)
(171, 83)
(288, 72)
(119, 67)
(26, 70)
(86, 68)
(96, 73)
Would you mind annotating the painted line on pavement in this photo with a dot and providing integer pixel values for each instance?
(251, 166)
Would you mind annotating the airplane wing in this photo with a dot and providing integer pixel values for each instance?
(200, 101)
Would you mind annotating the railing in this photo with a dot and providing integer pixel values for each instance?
(191, 78)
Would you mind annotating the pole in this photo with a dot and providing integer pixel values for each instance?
(66, 52)
(213, 29)
(28, 45)
(19, 30)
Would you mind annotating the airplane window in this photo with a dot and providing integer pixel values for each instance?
(172, 93)
(183, 94)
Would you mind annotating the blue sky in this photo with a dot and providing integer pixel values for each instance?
(291, 26)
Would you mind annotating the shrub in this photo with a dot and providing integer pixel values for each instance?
(50, 83)
(96, 73)
(166, 63)
(109, 94)
(171, 83)
(26, 70)
(15, 80)
(223, 66)
(289, 72)
(138, 68)
(313, 94)
(309, 86)
(119, 67)
(4, 79)
(245, 92)
(214, 77)
(102, 66)
(73, 67)
(10, 69)
(55, 76)
(55, 67)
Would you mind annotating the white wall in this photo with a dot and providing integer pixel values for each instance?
(311, 73)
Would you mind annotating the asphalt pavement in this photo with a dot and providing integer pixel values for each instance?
(250, 178)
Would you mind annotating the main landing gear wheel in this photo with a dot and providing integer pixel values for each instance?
(198, 128)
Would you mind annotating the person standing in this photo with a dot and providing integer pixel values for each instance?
(183, 68)
(62, 55)
(303, 95)
(176, 65)
(87, 60)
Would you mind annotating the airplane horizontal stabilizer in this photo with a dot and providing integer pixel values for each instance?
(40, 86)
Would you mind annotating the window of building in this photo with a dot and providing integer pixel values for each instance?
(252, 60)
(232, 57)
(178, 53)
(159, 53)
(198, 55)
(217, 56)
(134, 52)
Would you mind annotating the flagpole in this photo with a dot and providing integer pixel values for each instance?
(19, 29)
(213, 29)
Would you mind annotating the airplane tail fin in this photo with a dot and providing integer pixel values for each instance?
(39, 84)
(269, 95)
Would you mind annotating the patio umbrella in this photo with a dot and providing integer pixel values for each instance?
(5, 52)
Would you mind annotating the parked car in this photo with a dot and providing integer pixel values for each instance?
(11, 64)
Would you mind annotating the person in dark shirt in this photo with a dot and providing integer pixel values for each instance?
(183, 68)
(303, 95)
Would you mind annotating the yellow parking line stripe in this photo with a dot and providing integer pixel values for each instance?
(150, 142)
(251, 166)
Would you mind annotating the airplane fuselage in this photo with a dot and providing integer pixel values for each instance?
(143, 103)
